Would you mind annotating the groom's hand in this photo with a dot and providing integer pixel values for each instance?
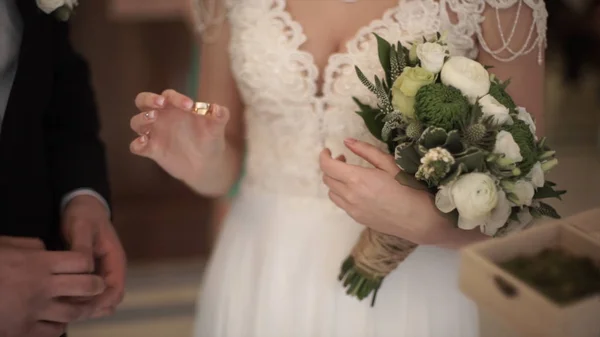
(34, 283)
(87, 228)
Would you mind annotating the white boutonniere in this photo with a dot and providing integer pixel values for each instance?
(61, 9)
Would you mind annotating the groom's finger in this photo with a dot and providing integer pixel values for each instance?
(22, 242)
(81, 236)
(147, 101)
(177, 100)
(373, 155)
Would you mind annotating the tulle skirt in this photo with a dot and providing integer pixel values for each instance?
(274, 274)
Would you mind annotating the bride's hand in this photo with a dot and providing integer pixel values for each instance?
(183, 143)
(374, 198)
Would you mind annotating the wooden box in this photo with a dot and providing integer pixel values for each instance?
(510, 308)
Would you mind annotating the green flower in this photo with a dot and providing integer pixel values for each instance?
(406, 87)
(527, 144)
(442, 106)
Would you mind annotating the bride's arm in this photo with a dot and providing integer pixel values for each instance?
(217, 85)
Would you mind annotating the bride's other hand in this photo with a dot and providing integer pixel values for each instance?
(184, 144)
(374, 198)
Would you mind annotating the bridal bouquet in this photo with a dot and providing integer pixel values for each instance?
(456, 133)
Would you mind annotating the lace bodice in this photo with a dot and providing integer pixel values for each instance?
(288, 123)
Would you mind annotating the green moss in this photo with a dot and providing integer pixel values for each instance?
(526, 141)
(499, 93)
(441, 106)
(562, 277)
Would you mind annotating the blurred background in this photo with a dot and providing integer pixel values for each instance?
(147, 45)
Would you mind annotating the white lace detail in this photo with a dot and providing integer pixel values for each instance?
(288, 124)
(470, 12)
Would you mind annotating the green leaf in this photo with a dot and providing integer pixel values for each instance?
(547, 210)
(548, 191)
(365, 81)
(514, 214)
(473, 159)
(535, 213)
(505, 84)
(454, 174)
(453, 143)
(421, 150)
(407, 158)
(433, 137)
(383, 48)
(371, 118)
(409, 180)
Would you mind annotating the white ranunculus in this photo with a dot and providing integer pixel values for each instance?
(466, 75)
(523, 191)
(432, 56)
(506, 145)
(499, 216)
(526, 117)
(492, 108)
(478, 200)
(536, 175)
(49, 6)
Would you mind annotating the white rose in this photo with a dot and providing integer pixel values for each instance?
(523, 191)
(72, 3)
(536, 175)
(466, 75)
(526, 117)
(492, 108)
(478, 200)
(432, 56)
(49, 6)
(506, 145)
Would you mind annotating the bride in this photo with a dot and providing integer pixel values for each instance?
(282, 77)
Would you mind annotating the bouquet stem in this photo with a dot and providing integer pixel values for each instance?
(372, 259)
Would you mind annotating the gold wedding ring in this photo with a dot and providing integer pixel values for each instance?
(201, 108)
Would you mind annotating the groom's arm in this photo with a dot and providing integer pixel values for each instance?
(75, 151)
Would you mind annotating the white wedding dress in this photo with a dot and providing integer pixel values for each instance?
(274, 271)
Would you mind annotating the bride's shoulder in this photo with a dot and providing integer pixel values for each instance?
(505, 29)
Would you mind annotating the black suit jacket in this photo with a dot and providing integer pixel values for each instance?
(49, 143)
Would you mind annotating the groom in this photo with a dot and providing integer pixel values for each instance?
(60, 258)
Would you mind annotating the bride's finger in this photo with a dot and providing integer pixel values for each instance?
(336, 186)
(338, 201)
(177, 100)
(142, 122)
(373, 155)
(141, 146)
(335, 168)
(146, 101)
(217, 120)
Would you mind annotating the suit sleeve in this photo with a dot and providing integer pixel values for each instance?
(76, 153)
